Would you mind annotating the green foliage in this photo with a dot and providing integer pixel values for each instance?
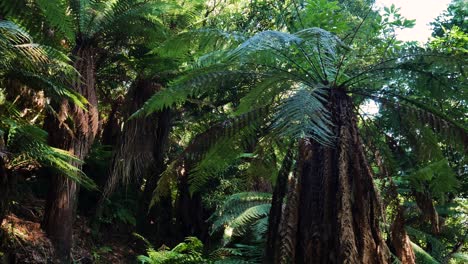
(120, 209)
(438, 176)
(438, 251)
(454, 16)
(328, 15)
(422, 256)
(186, 252)
(240, 212)
(28, 145)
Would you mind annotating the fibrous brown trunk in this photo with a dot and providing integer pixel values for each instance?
(112, 129)
(155, 222)
(134, 154)
(429, 213)
(140, 156)
(72, 129)
(189, 212)
(274, 218)
(5, 186)
(338, 205)
(400, 240)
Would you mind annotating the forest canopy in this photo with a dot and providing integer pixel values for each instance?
(231, 131)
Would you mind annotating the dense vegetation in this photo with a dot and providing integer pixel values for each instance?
(231, 131)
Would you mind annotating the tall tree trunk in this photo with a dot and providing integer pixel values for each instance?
(5, 186)
(275, 215)
(429, 213)
(189, 212)
(134, 154)
(400, 240)
(155, 222)
(73, 129)
(112, 129)
(338, 204)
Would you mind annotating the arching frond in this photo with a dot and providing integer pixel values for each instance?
(438, 249)
(205, 39)
(28, 145)
(192, 85)
(303, 115)
(235, 205)
(422, 256)
(58, 16)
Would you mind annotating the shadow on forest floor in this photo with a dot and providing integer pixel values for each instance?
(23, 241)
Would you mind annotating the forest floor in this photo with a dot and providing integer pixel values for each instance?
(26, 242)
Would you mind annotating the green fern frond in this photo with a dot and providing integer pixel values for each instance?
(57, 14)
(239, 254)
(438, 121)
(16, 43)
(52, 87)
(206, 39)
(28, 144)
(438, 248)
(188, 252)
(249, 218)
(235, 205)
(163, 189)
(194, 84)
(209, 164)
(422, 256)
(438, 176)
(243, 214)
(460, 257)
(303, 115)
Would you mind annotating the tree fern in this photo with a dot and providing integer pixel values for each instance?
(190, 251)
(243, 214)
(27, 145)
(235, 205)
(438, 176)
(438, 251)
(422, 256)
(57, 15)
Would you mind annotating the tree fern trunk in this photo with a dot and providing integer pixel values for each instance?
(5, 183)
(189, 213)
(289, 220)
(73, 129)
(274, 219)
(429, 213)
(400, 240)
(155, 222)
(338, 205)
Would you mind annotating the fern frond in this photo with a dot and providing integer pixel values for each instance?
(16, 43)
(193, 84)
(438, 248)
(438, 176)
(57, 15)
(422, 256)
(304, 115)
(460, 257)
(438, 121)
(52, 87)
(249, 218)
(218, 158)
(28, 143)
(206, 39)
(235, 205)
(188, 252)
